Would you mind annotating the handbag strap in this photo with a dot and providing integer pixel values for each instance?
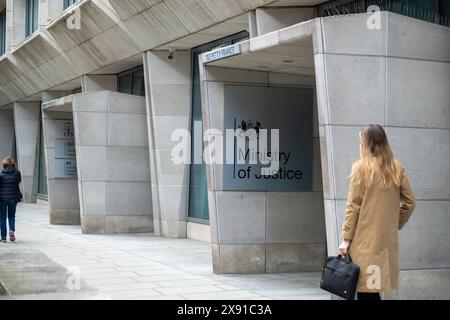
(346, 257)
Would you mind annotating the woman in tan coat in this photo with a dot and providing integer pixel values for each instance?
(380, 202)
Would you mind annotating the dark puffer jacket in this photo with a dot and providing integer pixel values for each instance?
(10, 179)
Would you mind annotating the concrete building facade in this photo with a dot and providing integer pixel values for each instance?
(92, 91)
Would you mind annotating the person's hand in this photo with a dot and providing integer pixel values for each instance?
(343, 248)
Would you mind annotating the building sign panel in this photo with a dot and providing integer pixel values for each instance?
(65, 164)
(222, 53)
(288, 109)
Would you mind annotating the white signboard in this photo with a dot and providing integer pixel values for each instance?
(222, 53)
(65, 164)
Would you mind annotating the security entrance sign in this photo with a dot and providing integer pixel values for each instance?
(65, 164)
(249, 111)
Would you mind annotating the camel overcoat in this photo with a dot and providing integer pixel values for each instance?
(373, 218)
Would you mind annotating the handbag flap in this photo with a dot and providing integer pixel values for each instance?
(342, 266)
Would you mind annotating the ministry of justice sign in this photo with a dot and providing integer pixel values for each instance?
(65, 164)
(290, 110)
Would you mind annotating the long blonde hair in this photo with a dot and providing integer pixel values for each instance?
(376, 156)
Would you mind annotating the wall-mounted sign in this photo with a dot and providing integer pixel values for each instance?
(65, 168)
(290, 110)
(222, 53)
(65, 164)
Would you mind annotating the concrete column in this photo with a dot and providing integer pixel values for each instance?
(53, 9)
(113, 163)
(252, 23)
(9, 27)
(168, 109)
(271, 19)
(409, 96)
(26, 120)
(17, 10)
(6, 133)
(261, 231)
(98, 82)
(42, 18)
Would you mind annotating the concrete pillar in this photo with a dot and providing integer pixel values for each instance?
(410, 97)
(17, 11)
(9, 27)
(271, 19)
(259, 231)
(53, 9)
(6, 133)
(252, 24)
(113, 163)
(168, 109)
(42, 8)
(26, 120)
(98, 82)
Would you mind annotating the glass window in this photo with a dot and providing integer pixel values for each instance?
(132, 82)
(125, 83)
(77, 90)
(68, 3)
(42, 178)
(32, 17)
(198, 187)
(2, 32)
(138, 83)
(444, 9)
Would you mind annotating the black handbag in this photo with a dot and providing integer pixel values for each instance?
(340, 276)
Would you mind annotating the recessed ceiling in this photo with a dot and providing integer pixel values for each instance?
(295, 57)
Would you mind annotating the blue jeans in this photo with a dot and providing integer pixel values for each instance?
(7, 211)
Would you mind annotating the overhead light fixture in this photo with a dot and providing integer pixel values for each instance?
(288, 61)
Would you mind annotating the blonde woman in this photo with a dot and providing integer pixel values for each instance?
(380, 202)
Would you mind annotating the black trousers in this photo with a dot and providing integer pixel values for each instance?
(375, 296)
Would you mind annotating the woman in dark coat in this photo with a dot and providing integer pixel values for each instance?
(10, 195)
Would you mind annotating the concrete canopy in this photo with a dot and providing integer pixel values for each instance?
(290, 50)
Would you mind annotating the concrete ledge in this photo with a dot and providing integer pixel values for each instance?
(42, 202)
(430, 284)
(65, 216)
(129, 224)
(170, 228)
(198, 231)
(235, 259)
(270, 258)
(104, 224)
(93, 224)
(28, 272)
(302, 257)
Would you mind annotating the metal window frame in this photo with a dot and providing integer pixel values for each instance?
(32, 17)
(126, 73)
(228, 40)
(68, 3)
(2, 32)
(42, 159)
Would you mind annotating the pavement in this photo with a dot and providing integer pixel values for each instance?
(59, 262)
